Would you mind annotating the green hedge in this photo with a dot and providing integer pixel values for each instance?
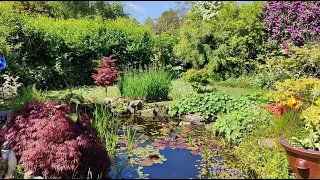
(56, 53)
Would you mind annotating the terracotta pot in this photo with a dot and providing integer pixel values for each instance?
(305, 164)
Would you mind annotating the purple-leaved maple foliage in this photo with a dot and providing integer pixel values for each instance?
(292, 21)
(107, 71)
(49, 143)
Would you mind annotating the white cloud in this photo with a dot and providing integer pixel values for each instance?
(135, 7)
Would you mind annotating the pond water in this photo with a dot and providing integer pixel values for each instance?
(165, 150)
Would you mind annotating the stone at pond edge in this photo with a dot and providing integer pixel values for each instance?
(131, 110)
(136, 104)
(209, 126)
(184, 123)
(148, 112)
(194, 119)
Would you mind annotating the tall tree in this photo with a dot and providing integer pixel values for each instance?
(168, 21)
(72, 9)
(150, 23)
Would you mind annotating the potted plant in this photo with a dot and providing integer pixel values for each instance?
(301, 96)
(304, 155)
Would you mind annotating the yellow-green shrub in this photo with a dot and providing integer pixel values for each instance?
(310, 115)
(306, 88)
(200, 76)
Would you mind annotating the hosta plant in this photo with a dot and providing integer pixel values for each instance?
(53, 140)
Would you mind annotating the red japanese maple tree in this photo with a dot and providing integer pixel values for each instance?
(47, 142)
(107, 72)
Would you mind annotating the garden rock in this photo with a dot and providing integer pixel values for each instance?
(5, 116)
(30, 175)
(184, 123)
(209, 126)
(136, 104)
(267, 142)
(156, 110)
(148, 112)
(131, 110)
(194, 119)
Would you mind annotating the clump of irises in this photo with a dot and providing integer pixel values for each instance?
(219, 171)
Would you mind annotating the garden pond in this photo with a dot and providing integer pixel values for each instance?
(165, 148)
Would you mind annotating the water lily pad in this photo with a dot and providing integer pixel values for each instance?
(137, 127)
(132, 161)
(161, 147)
(196, 152)
(182, 146)
(146, 162)
(164, 131)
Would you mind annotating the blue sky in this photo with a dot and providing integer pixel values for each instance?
(143, 9)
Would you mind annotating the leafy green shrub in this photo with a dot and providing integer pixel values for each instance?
(200, 76)
(163, 48)
(227, 43)
(259, 96)
(174, 71)
(264, 78)
(203, 89)
(26, 95)
(153, 84)
(297, 62)
(61, 50)
(236, 124)
(209, 104)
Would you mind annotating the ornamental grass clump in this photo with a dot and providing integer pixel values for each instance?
(50, 142)
(152, 84)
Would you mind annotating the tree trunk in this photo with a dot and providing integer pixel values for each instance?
(106, 91)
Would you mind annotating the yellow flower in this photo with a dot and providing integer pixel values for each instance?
(318, 102)
(292, 101)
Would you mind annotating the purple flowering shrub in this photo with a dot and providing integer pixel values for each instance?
(291, 21)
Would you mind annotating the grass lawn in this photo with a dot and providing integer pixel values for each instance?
(179, 89)
(96, 93)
